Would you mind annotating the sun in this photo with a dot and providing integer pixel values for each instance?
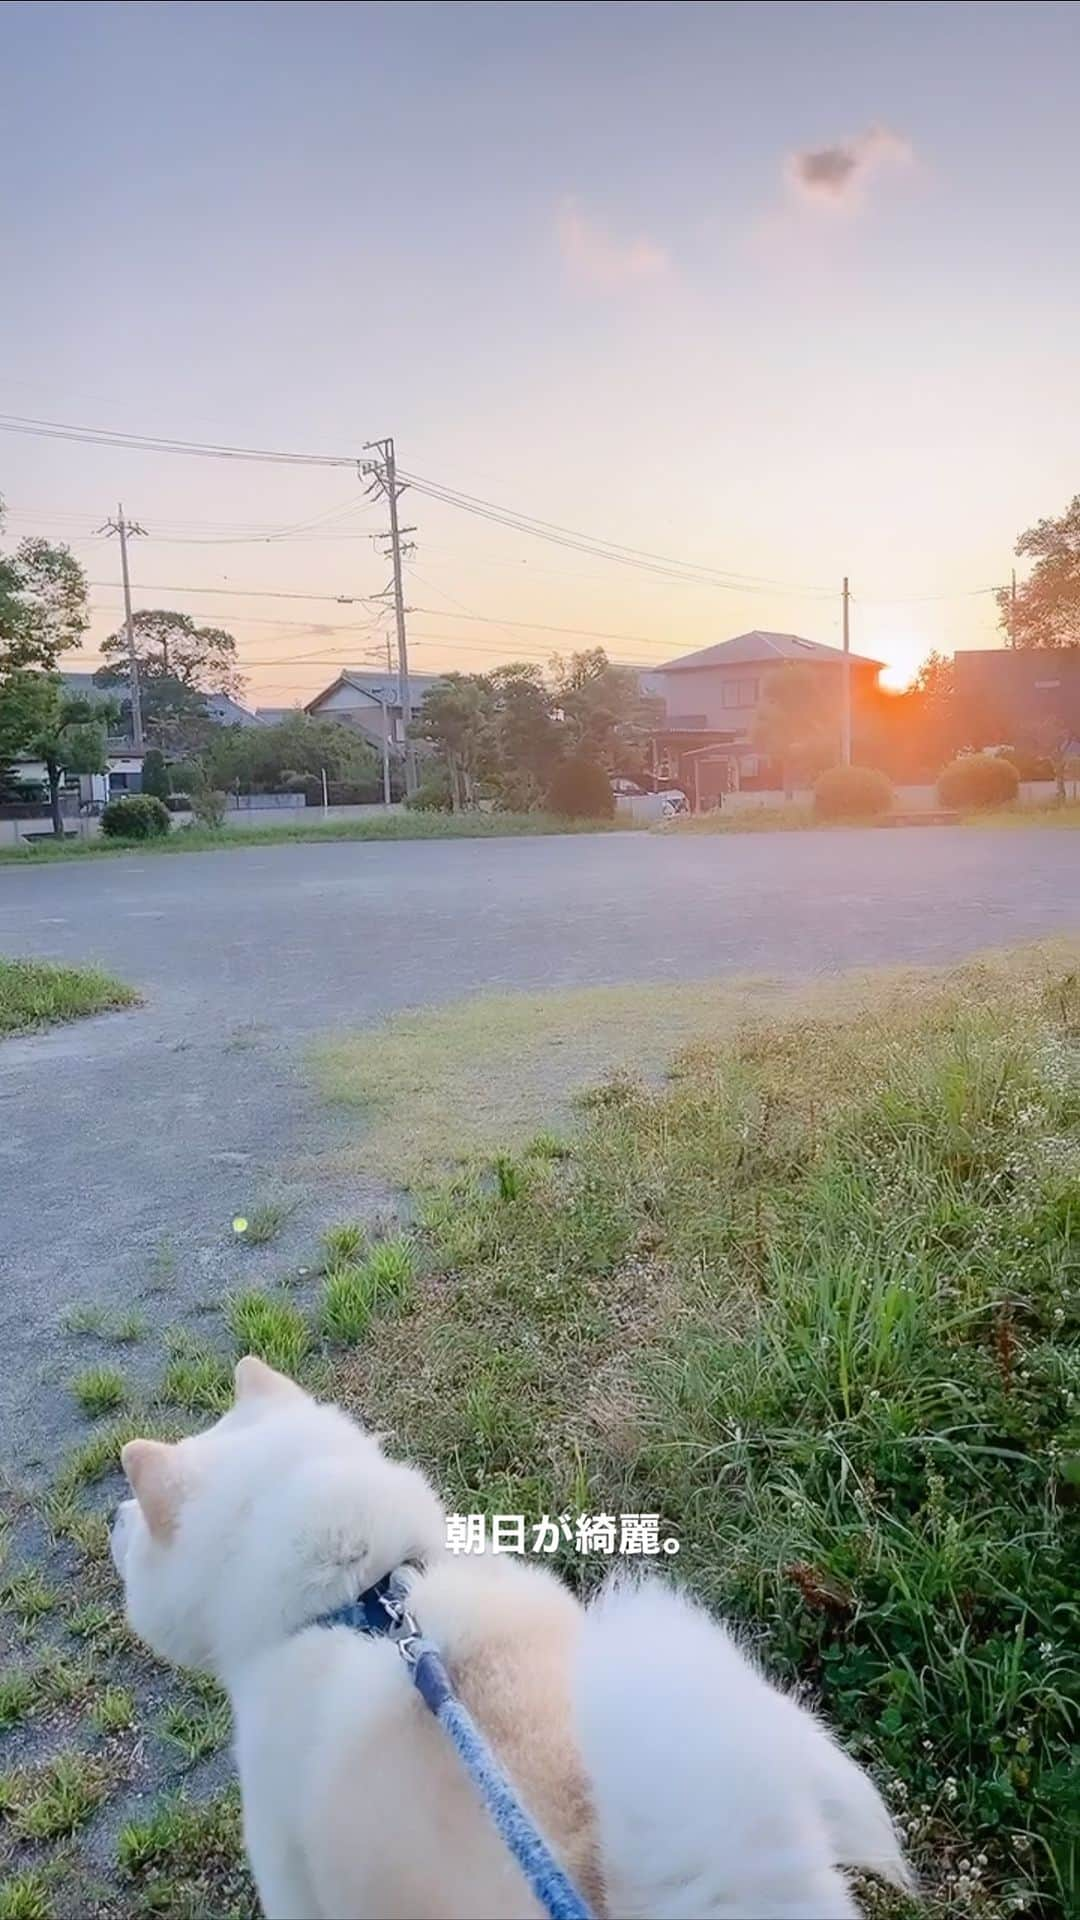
(900, 649)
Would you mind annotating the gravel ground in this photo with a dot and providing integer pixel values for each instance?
(129, 1142)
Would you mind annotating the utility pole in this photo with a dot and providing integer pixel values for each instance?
(124, 528)
(384, 705)
(845, 728)
(383, 474)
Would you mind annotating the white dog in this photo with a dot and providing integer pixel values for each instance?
(672, 1780)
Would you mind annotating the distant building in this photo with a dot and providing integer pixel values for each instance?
(712, 698)
(359, 698)
(1020, 697)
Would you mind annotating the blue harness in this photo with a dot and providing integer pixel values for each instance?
(382, 1613)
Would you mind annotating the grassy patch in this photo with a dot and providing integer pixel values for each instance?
(342, 1243)
(27, 1595)
(497, 1072)
(57, 1799)
(187, 1857)
(198, 1726)
(791, 818)
(816, 1302)
(273, 1329)
(100, 1390)
(393, 826)
(114, 1710)
(17, 1695)
(34, 993)
(26, 1896)
(265, 1223)
(348, 1303)
(198, 1379)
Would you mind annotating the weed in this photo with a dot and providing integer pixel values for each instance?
(507, 1177)
(198, 1727)
(342, 1244)
(26, 1897)
(275, 1330)
(347, 1304)
(265, 1223)
(60, 1797)
(199, 1379)
(114, 1710)
(34, 993)
(85, 1317)
(389, 1268)
(182, 1837)
(63, 1682)
(17, 1695)
(27, 1594)
(100, 1390)
(67, 1520)
(163, 1266)
(128, 1329)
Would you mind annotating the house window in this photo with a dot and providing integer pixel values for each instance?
(739, 693)
(687, 722)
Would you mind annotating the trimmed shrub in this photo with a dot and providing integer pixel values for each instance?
(852, 793)
(155, 774)
(135, 816)
(978, 780)
(581, 790)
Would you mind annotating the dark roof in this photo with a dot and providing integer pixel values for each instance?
(757, 648)
(87, 688)
(228, 712)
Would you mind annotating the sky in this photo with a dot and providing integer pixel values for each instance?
(779, 291)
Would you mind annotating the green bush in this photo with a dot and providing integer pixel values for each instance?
(978, 780)
(581, 790)
(135, 816)
(155, 774)
(433, 793)
(852, 793)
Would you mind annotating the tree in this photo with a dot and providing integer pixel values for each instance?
(1046, 612)
(42, 606)
(68, 734)
(524, 742)
(798, 721)
(155, 774)
(203, 659)
(606, 717)
(458, 718)
(260, 758)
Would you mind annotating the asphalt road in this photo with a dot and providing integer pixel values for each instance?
(129, 1136)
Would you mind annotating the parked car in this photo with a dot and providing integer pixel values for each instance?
(662, 803)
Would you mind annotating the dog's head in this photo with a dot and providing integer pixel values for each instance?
(280, 1511)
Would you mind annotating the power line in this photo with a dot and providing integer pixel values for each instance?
(147, 443)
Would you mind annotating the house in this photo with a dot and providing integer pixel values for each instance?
(712, 700)
(360, 698)
(1027, 697)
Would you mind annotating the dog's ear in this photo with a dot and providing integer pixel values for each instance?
(150, 1466)
(254, 1380)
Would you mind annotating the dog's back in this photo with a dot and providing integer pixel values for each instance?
(715, 1794)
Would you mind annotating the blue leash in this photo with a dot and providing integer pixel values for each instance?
(382, 1612)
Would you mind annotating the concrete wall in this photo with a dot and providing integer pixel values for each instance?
(921, 799)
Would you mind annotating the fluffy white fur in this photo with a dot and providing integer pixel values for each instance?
(672, 1779)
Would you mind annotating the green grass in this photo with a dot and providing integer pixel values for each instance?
(198, 1379)
(394, 826)
(27, 1594)
(275, 1330)
(113, 1711)
(34, 993)
(100, 1390)
(264, 1223)
(17, 1695)
(348, 1302)
(85, 1317)
(186, 1858)
(342, 1243)
(499, 1071)
(26, 1896)
(57, 1799)
(197, 1726)
(815, 1301)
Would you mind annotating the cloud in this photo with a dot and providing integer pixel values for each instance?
(594, 257)
(838, 176)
